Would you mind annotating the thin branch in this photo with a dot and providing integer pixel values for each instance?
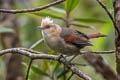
(82, 52)
(32, 54)
(98, 63)
(78, 64)
(67, 21)
(105, 8)
(109, 14)
(31, 60)
(36, 43)
(64, 73)
(32, 9)
(70, 76)
(28, 70)
(98, 52)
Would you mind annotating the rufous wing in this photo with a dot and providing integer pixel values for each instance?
(74, 37)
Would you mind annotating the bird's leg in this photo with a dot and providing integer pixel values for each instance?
(70, 61)
(62, 56)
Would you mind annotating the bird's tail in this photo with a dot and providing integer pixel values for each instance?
(96, 35)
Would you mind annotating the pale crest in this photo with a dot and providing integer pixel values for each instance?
(46, 21)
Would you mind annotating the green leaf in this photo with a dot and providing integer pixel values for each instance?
(90, 20)
(60, 72)
(70, 5)
(38, 70)
(82, 25)
(44, 14)
(57, 66)
(57, 10)
(5, 29)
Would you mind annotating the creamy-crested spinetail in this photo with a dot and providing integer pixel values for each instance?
(65, 40)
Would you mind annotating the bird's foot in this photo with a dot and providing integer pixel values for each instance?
(69, 62)
(62, 58)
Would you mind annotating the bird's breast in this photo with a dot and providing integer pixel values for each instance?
(59, 45)
(52, 41)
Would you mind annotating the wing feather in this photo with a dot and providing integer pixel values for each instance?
(74, 37)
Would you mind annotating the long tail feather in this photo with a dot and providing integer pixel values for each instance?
(96, 35)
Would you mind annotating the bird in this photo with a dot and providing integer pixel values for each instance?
(65, 40)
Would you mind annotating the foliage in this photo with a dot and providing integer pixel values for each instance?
(70, 5)
(84, 15)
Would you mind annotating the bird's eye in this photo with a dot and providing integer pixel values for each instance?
(47, 26)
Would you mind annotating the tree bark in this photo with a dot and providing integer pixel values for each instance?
(10, 40)
(117, 34)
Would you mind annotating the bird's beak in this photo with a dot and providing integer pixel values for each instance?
(40, 27)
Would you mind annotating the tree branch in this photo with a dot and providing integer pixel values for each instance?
(105, 8)
(34, 55)
(98, 52)
(28, 69)
(70, 76)
(109, 14)
(32, 9)
(116, 6)
(31, 60)
(100, 67)
(39, 55)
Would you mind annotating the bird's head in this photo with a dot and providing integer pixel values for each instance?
(48, 26)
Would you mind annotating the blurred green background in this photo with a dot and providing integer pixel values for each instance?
(85, 15)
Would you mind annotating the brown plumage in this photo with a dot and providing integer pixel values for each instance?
(65, 40)
(74, 37)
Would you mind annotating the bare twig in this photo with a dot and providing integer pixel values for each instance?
(82, 52)
(70, 76)
(98, 52)
(109, 14)
(67, 21)
(28, 70)
(31, 60)
(78, 64)
(32, 9)
(100, 67)
(105, 8)
(64, 73)
(36, 43)
(32, 54)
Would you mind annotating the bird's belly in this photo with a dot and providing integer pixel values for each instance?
(59, 46)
